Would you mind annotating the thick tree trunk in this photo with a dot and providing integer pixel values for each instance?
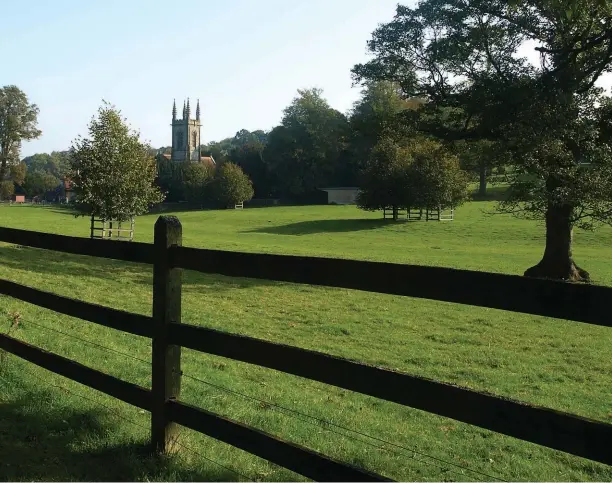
(557, 262)
(395, 213)
(482, 188)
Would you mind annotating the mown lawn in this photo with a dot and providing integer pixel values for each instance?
(48, 433)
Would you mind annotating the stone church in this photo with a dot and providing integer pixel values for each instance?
(186, 144)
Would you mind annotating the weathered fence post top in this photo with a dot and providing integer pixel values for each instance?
(168, 227)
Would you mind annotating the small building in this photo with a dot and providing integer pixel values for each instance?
(341, 196)
(18, 199)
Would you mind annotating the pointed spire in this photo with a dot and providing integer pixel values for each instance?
(184, 111)
(198, 111)
(188, 110)
(174, 110)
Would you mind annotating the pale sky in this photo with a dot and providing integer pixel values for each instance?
(244, 60)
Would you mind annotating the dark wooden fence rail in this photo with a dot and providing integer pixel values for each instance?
(566, 432)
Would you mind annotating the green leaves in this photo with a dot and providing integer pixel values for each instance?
(7, 189)
(232, 186)
(112, 170)
(468, 60)
(419, 174)
(18, 123)
(197, 179)
(304, 152)
(38, 183)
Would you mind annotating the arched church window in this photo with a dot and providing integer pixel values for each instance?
(195, 138)
(179, 139)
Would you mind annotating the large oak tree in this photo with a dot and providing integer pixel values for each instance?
(468, 59)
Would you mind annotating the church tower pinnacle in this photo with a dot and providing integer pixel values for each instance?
(186, 140)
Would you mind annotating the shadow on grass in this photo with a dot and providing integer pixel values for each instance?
(494, 193)
(71, 267)
(323, 226)
(47, 262)
(43, 442)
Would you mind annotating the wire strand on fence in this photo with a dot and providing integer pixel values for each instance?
(309, 419)
(86, 341)
(115, 413)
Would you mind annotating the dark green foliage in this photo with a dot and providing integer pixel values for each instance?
(385, 180)
(306, 151)
(481, 159)
(57, 163)
(218, 150)
(39, 183)
(419, 173)
(376, 115)
(231, 185)
(18, 173)
(247, 152)
(7, 189)
(170, 178)
(465, 58)
(197, 179)
(112, 170)
(435, 176)
(18, 122)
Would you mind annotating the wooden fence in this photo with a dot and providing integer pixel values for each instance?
(561, 431)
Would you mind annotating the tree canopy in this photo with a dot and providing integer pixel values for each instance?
(417, 173)
(305, 151)
(231, 185)
(467, 59)
(39, 183)
(198, 178)
(112, 171)
(18, 123)
(7, 189)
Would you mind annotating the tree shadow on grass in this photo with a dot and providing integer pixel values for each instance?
(323, 226)
(43, 442)
(50, 263)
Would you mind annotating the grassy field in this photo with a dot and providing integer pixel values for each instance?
(73, 433)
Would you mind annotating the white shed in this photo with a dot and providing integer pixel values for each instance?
(341, 196)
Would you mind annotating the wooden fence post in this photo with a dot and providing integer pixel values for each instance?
(166, 358)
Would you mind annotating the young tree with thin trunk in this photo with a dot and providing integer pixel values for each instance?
(467, 59)
(113, 173)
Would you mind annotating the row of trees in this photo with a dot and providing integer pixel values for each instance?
(114, 173)
(314, 146)
(448, 81)
(203, 184)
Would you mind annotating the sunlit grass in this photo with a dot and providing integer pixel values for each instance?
(559, 364)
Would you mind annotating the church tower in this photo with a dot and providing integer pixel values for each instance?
(186, 134)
